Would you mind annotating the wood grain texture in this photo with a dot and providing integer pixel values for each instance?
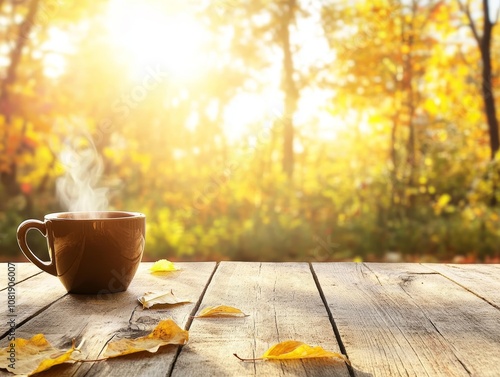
(482, 280)
(34, 292)
(408, 320)
(23, 271)
(282, 303)
(101, 318)
(392, 319)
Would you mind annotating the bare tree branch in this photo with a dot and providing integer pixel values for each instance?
(466, 9)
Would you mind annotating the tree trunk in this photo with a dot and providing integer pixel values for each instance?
(393, 157)
(289, 89)
(484, 44)
(487, 84)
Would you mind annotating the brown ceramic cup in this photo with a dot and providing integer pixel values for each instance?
(90, 252)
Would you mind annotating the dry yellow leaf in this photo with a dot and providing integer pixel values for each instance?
(293, 349)
(163, 265)
(167, 332)
(30, 356)
(160, 298)
(221, 311)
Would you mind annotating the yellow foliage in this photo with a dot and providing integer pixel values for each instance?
(443, 200)
(442, 204)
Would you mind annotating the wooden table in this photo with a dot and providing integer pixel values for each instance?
(389, 319)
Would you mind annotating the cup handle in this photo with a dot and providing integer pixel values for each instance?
(22, 232)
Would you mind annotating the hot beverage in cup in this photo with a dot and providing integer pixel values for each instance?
(90, 252)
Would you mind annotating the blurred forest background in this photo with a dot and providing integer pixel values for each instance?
(258, 129)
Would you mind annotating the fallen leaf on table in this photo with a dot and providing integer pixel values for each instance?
(167, 332)
(32, 355)
(163, 265)
(160, 298)
(221, 311)
(292, 349)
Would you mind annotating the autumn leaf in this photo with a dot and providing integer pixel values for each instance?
(167, 332)
(160, 298)
(221, 311)
(292, 349)
(163, 265)
(32, 355)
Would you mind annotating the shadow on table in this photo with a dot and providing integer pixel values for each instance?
(360, 373)
(192, 362)
(322, 367)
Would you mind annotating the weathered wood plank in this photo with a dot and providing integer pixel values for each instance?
(23, 271)
(483, 280)
(406, 320)
(394, 319)
(100, 318)
(33, 293)
(282, 302)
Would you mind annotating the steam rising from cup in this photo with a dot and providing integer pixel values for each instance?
(77, 189)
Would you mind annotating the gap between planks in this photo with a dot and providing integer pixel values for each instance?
(462, 285)
(190, 320)
(28, 271)
(330, 317)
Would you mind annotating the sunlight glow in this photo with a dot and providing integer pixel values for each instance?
(55, 65)
(151, 33)
(247, 109)
(54, 52)
(315, 117)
